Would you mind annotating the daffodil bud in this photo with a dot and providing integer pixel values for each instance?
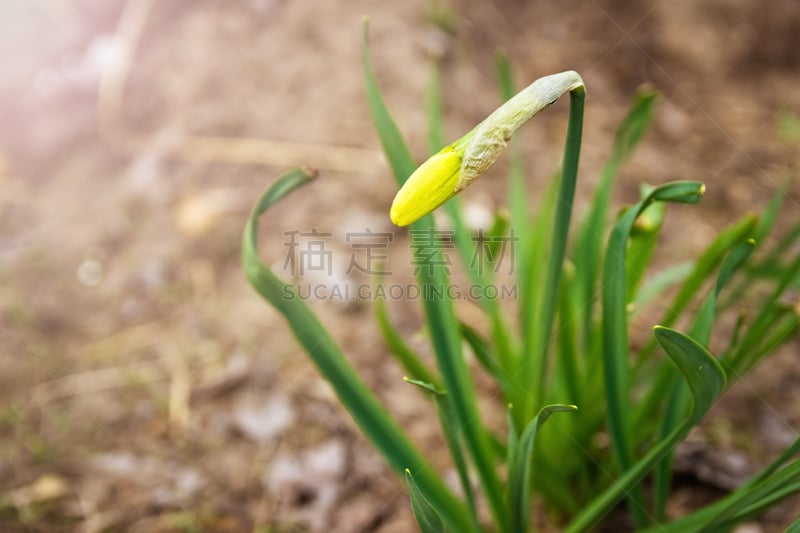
(431, 185)
(459, 164)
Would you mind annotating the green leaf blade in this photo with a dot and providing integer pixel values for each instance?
(410, 361)
(591, 233)
(705, 379)
(394, 146)
(427, 518)
(702, 372)
(364, 407)
(520, 468)
(440, 314)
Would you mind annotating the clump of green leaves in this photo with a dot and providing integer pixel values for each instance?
(569, 346)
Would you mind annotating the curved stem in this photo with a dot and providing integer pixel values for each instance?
(539, 333)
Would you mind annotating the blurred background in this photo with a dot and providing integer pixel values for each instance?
(145, 387)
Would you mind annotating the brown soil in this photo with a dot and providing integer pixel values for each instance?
(145, 387)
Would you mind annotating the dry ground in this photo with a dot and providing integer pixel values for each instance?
(144, 387)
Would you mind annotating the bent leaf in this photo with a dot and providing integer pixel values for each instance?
(702, 372)
(519, 464)
(705, 379)
(360, 402)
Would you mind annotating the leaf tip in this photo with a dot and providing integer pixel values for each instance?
(660, 332)
(309, 171)
(365, 32)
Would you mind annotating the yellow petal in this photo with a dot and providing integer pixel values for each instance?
(431, 185)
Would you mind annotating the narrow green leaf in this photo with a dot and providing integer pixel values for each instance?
(434, 108)
(706, 380)
(353, 393)
(794, 527)
(788, 126)
(520, 467)
(702, 372)
(676, 402)
(769, 215)
(704, 267)
(517, 190)
(772, 497)
(774, 325)
(480, 274)
(719, 251)
(427, 518)
(513, 438)
(641, 245)
(784, 458)
(736, 335)
(679, 191)
(441, 319)
(425, 385)
(445, 336)
(454, 439)
(395, 148)
(410, 361)
(570, 373)
(537, 236)
(483, 353)
(732, 263)
(772, 484)
(634, 125)
(591, 233)
(499, 230)
(663, 280)
(771, 265)
(615, 325)
(752, 347)
(758, 497)
(678, 399)
(505, 76)
(455, 442)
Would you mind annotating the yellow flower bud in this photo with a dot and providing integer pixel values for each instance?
(456, 166)
(431, 185)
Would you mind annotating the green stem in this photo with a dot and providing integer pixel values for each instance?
(535, 355)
